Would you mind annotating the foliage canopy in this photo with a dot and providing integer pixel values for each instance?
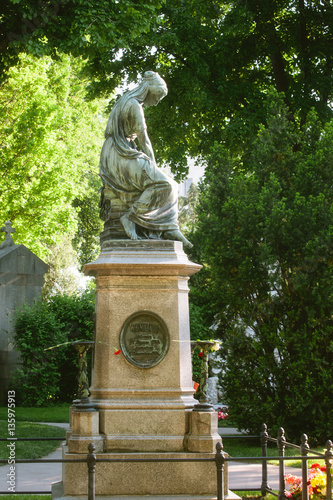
(264, 222)
(220, 60)
(93, 29)
(265, 234)
(51, 138)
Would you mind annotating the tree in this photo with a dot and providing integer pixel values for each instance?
(265, 235)
(86, 239)
(63, 276)
(219, 61)
(51, 140)
(93, 29)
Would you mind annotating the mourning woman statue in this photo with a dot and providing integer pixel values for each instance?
(144, 197)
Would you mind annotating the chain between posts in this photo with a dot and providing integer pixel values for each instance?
(219, 461)
(220, 464)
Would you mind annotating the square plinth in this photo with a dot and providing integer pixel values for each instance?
(147, 476)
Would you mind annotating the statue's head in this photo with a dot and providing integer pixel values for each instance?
(157, 88)
(150, 90)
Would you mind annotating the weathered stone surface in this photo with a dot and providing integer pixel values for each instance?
(144, 478)
(85, 430)
(213, 390)
(203, 434)
(144, 412)
(8, 230)
(21, 281)
(142, 408)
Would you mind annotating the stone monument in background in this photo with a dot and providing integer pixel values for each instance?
(21, 282)
(141, 403)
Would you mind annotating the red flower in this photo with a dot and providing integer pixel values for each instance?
(315, 466)
(200, 354)
(323, 469)
(117, 352)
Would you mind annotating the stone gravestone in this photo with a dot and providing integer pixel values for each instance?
(141, 402)
(21, 282)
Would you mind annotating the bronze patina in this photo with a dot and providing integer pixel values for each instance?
(144, 339)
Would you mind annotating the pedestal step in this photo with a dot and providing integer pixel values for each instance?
(178, 475)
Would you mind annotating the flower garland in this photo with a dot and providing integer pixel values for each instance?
(211, 346)
(116, 350)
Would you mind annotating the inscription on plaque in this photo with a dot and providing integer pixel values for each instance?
(144, 339)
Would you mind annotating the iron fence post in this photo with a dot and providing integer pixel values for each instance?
(304, 452)
(91, 462)
(219, 460)
(281, 440)
(263, 439)
(328, 462)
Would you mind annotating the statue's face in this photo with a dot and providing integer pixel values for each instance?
(155, 94)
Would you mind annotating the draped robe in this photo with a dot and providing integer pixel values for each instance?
(150, 196)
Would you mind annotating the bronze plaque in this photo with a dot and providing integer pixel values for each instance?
(144, 339)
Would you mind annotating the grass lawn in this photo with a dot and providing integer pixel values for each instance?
(226, 423)
(49, 414)
(248, 447)
(30, 449)
(26, 497)
(254, 495)
(25, 427)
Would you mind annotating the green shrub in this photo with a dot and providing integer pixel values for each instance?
(48, 376)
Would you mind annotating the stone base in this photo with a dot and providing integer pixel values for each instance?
(185, 480)
(203, 435)
(143, 397)
(58, 494)
(112, 208)
(144, 430)
(85, 430)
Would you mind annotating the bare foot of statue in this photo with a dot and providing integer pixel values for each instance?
(129, 227)
(178, 236)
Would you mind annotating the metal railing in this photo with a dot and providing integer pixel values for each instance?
(304, 457)
(220, 459)
(91, 460)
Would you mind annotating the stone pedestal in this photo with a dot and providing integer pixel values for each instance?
(143, 406)
(203, 432)
(84, 430)
(143, 396)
